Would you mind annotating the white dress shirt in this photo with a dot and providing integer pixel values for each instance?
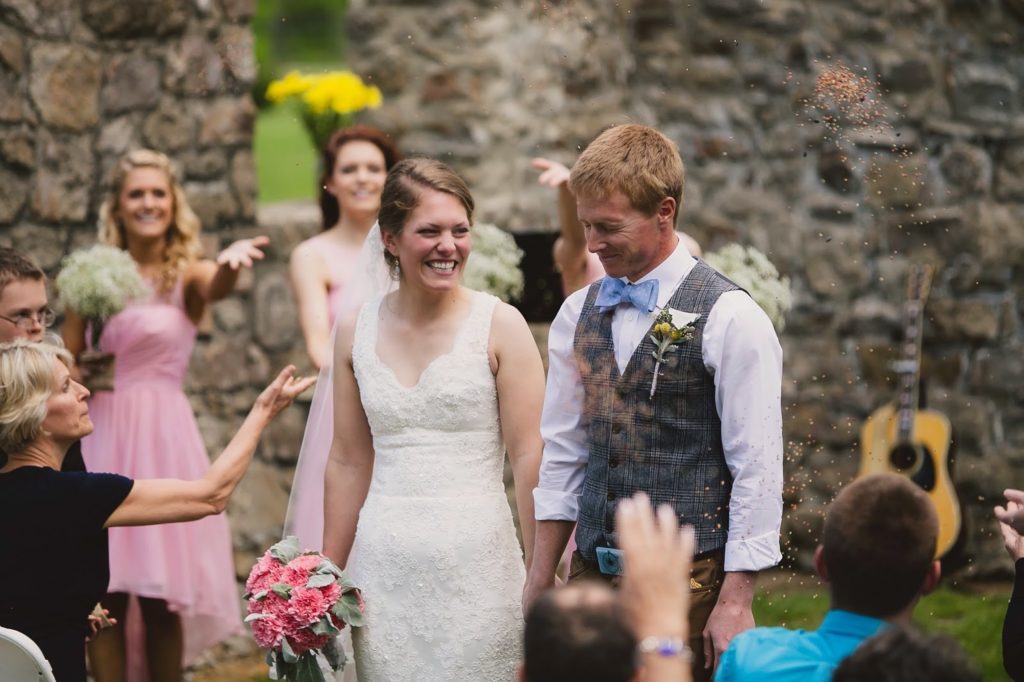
(742, 353)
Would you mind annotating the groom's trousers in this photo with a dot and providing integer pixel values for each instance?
(706, 575)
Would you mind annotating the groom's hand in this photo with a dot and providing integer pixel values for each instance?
(534, 587)
(732, 615)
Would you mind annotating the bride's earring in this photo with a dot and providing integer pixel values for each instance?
(395, 269)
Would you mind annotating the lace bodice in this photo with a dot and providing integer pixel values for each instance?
(450, 416)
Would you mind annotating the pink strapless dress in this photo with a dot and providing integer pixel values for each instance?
(340, 260)
(306, 511)
(145, 428)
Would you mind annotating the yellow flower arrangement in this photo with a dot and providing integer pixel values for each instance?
(328, 101)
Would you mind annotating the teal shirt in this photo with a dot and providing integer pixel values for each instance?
(781, 655)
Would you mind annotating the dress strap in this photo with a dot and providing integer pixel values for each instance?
(364, 339)
(476, 330)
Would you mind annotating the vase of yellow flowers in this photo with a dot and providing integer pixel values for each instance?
(327, 101)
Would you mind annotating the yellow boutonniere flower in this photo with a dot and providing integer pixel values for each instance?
(666, 335)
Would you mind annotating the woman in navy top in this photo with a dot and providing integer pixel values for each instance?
(53, 523)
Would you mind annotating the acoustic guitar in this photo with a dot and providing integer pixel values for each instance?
(903, 439)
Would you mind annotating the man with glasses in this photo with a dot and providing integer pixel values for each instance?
(25, 314)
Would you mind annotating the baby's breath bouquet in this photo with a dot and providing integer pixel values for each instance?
(751, 269)
(328, 101)
(494, 265)
(97, 283)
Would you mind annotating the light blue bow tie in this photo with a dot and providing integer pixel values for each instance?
(614, 291)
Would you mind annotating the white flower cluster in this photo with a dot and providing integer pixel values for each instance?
(751, 269)
(99, 282)
(494, 264)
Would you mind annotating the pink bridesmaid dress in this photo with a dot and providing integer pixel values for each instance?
(306, 511)
(341, 260)
(145, 428)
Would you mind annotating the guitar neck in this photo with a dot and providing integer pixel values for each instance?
(909, 366)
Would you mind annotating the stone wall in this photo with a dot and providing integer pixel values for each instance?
(841, 209)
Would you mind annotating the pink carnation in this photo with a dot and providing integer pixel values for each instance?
(331, 593)
(305, 640)
(268, 632)
(307, 604)
(271, 604)
(299, 569)
(265, 573)
(306, 562)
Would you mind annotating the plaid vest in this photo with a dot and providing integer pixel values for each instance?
(668, 446)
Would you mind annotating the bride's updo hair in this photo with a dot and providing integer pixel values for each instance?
(405, 184)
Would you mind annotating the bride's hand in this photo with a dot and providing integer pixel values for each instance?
(282, 392)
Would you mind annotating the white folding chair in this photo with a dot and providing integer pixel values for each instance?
(21, 660)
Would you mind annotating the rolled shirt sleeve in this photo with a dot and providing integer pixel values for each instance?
(742, 352)
(564, 463)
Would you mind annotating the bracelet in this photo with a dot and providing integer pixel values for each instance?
(666, 647)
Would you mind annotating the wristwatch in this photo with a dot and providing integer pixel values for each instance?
(665, 646)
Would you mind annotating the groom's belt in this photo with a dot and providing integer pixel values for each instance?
(585, 568)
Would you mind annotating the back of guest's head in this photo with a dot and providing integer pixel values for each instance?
(878, 544)
(15, 267)
(904, 654)
(182, 238)
(636, 160)
(578, 632)
(405, 185)
(26, 381)
(330, 210)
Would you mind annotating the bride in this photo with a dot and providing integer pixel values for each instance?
(432, 383)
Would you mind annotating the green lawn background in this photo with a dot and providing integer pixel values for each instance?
(285, 159)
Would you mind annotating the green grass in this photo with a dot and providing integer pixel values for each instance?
(975, 620)
(285, 158)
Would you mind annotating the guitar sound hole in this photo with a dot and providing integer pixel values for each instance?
(904, 458)
(916, 462)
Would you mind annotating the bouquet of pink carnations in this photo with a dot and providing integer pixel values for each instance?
(298, 604)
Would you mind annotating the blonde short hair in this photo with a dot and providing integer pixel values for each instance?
(183, 244)
(636, 160)
(26, 381)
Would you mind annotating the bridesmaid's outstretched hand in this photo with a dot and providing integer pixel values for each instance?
(243, 252)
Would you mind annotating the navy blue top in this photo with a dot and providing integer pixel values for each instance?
(781, 655)
(54, 566)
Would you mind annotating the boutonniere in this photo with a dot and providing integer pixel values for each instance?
(671, 328)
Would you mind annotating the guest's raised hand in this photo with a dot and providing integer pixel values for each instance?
(657, 555)
(98, 620)
(1013, 513)
(243, 252)
(552, 173)
(282, 392)
(1012, 539)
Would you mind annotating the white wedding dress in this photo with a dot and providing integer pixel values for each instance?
(435, 551)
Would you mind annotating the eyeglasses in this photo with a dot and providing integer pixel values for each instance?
(24, 320)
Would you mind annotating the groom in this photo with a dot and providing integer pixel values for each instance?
(706, 439)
